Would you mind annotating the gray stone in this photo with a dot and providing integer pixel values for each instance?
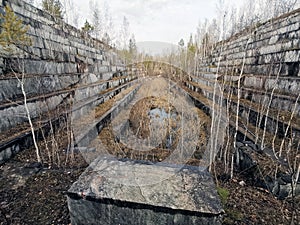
(284, 190)
(16, 148)
(37, 42)
(273, 39)
(239, 144)
(5, 154)
(2, 157)
(245, 161)
(292, 56)
(113, 191)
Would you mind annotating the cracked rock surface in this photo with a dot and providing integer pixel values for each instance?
(153, 189)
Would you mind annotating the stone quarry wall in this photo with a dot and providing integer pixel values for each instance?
(62, 65)
(57, 48)
(269, 48)
(270, 53)
(255, 75)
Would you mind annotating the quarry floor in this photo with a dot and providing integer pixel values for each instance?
(34, 194)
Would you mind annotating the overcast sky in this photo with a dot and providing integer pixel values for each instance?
(157, 20)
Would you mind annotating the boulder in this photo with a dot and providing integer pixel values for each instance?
(113, 191)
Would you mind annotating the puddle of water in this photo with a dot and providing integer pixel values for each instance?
(159, 118)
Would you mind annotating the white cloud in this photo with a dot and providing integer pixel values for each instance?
(157, 20)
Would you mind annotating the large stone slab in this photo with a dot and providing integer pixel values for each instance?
(125, 192)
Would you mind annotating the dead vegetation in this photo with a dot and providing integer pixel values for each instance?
(155, 95)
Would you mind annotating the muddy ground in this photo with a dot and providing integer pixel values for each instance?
(35, 194)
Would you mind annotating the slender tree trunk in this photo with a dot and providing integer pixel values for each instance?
(21, 82)
(238, 104)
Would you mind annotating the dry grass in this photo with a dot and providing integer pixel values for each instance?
(157, 93)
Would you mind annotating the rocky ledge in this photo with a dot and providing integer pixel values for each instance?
(113, 191)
